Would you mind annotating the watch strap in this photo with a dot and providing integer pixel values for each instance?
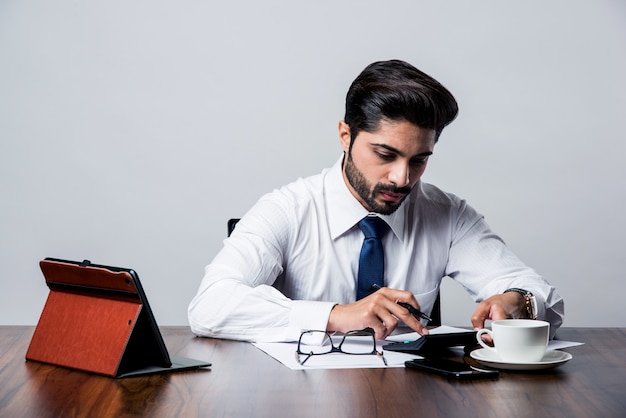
(530, 303)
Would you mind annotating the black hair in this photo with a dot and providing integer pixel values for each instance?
(395, 90)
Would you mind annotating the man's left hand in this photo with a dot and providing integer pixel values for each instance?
(503, 306)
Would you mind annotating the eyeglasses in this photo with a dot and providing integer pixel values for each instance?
(360, 342)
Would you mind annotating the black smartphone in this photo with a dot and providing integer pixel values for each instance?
(451, 369)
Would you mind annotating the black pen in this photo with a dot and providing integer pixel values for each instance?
(416, 312)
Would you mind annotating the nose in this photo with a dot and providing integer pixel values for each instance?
(400, 174)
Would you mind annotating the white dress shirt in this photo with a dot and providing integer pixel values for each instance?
(295, 255)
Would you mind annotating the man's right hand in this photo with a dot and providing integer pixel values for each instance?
(379, 311)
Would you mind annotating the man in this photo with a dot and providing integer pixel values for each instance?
(293, 260)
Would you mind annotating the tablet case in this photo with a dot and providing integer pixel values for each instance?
(97, 319)
(435, 344)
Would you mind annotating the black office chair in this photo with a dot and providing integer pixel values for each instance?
(435, 315)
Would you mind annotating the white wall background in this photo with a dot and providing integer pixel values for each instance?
(130, 131)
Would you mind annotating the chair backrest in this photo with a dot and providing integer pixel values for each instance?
(230, 225)
(435, 315)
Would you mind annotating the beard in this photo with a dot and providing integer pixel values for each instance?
(368, 193)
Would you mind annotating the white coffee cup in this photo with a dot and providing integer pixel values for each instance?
(517, 340)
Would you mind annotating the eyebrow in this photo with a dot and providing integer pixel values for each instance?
(396, 151)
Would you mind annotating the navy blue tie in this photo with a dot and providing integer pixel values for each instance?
(372, 258)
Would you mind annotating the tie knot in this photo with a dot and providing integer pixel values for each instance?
(373, 227)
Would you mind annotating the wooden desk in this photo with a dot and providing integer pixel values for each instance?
(246, 382)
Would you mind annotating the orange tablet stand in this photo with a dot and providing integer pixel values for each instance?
(95, 320)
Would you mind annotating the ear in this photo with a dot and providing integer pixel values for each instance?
(344, 135)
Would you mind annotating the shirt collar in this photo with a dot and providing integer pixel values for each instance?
(345, 211)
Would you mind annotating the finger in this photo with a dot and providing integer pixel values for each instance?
(416, 325)
(487, 339)
(497, 312)
(409, 319)
(372, 314)
(380, 329)
(389, 298)
(405, 296)
(392, 297)
(388, 312)
(389, 321)
(480, 315)
(488, 309)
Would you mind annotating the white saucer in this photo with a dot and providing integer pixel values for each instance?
(552, 358)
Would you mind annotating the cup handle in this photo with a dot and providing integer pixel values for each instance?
(479, 334)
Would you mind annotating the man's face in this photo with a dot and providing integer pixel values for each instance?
(382, 167)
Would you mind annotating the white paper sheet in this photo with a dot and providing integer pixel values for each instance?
(286, 353)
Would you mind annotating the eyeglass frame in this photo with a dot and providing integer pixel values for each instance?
(338, 349)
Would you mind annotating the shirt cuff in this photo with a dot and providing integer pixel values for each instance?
(309, 315)
(540, 302)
